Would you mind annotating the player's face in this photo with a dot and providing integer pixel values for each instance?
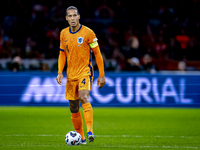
(73, 17)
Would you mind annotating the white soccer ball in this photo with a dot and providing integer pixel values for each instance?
(73, 138)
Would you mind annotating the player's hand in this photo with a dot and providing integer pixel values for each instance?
(59, 78)
(101, 81)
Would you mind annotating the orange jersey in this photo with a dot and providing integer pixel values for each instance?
(76, 47)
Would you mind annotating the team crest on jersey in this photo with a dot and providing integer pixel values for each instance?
(80, 40)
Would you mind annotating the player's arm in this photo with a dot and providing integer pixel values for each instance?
(61, 65)
(61, 61)
(99, 60)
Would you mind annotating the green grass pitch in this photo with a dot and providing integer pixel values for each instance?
(115, 128)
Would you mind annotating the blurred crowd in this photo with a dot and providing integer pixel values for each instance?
(133, 35)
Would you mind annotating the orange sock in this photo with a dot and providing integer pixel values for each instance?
(88, 116)
(78, 123)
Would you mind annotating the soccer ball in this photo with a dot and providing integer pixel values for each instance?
(73, 138)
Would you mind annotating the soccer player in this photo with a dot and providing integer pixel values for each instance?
(77, 42)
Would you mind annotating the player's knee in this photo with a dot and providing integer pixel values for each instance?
(74, 106)
(84, 99)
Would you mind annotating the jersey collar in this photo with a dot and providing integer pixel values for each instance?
(75, 31)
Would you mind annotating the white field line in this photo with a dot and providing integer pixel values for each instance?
(137, 136)
(164, 147)
(167, 147)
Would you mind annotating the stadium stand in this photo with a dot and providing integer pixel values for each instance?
(166, 30)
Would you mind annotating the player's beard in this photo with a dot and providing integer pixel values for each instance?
(74, 25)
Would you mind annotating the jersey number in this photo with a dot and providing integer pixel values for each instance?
(83, 81)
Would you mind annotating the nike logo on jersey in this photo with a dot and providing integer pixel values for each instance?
(66, 40)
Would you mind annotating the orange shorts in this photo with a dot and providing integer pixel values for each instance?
(73, 86)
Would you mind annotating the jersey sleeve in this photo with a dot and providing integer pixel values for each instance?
(61, 61)
(62, 47)
(99, 60)
(91, 37)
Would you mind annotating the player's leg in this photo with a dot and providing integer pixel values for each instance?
(87, 112)
(76, 117)
(84, 91)
(87, 109)
(74, 105)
